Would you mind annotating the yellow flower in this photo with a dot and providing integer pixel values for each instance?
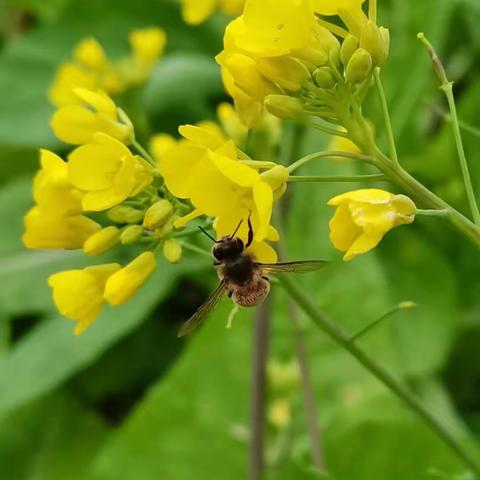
(219, 186)
(57, 220)
(232, 123)
(47, 230)
(160, 144)
(124, 283)
(196, 11)
(335, 7)
(107, 172)
(90, 69)
(363, 217)
(78, 294)
(77, 123)
(342, 144)
(147, 46)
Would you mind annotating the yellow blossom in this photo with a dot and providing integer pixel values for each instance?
(363, 217)
(232, 123)
(56, 221)
(197, 11)
(342, 144)
(77, 124)
(79, 294)
(89, 69)
(124, 283)
(160, 144)
(107, 172)
(335, 7)
(147, 46)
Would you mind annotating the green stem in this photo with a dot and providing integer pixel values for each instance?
(143, 152)
(379, 371)
(447, 87)
(338, 178)
(386, 115)
(433, 213)
(326, 154)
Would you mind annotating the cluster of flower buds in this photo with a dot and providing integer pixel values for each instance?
(288, 58)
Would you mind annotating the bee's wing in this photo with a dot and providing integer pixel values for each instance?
(294, 267)
(197, 318)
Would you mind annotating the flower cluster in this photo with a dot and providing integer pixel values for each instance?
(91, 69)
(286, 57)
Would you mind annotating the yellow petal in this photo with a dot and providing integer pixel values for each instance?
(263, 198)
(343, 231)
(196, 11)
(363, 244)
(235, 171)
(123, 284)
(369, 195)
(263, 252)
(204, 135)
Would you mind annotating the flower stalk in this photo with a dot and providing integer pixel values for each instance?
(340, 337)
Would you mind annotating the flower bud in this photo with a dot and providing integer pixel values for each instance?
(286, 72)
(313, 57)
(359, 67)
(172, 250)
(283, 106)
(131, 235)
(349, 47)
(376, 41)
(101, 241)
(276, 176)
(324, 78)
(125, 214)
(158, 214)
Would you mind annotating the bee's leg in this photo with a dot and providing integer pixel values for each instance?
(216, 263)
(250, 232)
(266, 278)
(230, 293)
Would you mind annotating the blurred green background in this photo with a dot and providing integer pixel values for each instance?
(128, 400)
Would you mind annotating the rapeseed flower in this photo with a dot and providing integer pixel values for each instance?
(197, 11)
(363, 217)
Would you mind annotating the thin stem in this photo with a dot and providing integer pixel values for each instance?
(386, 115)
(326, 154)
(433, 213)
(258, 398)
(378, 321)
(143, 152)
(379, 371)
(377, 177)
(307, 388)
(372, 10)
(447, 87)
(195, 249)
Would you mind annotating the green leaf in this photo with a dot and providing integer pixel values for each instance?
(52, 439)
(50, 353)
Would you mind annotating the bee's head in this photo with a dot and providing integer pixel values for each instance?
(228, 247)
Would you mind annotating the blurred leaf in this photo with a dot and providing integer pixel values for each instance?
(170, 87)
(52, 439)
(33, 366)
(185, 425)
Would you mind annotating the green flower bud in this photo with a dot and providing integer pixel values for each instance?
(349, 46)
(172, 250)
(283, 106)
(376, 41)
(359, 67)
(276, 176)
(324, 78)
(125, 214)
(158, 214)
(101, 241)
(131, 235)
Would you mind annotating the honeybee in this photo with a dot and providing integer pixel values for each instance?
(242, 278)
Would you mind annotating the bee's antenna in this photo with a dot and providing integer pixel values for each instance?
(207, 234)
(237, 229)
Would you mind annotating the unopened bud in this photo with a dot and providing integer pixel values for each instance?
(285, 71)
(314, 57)
(376, 41)
(101, 241)
(324, 78)
(125, 214)
(172, 250)
(359, 67)
(158, 214)
(283, 106)
(131, 235)
(408, 305)
(276, 176)
(349, 46)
